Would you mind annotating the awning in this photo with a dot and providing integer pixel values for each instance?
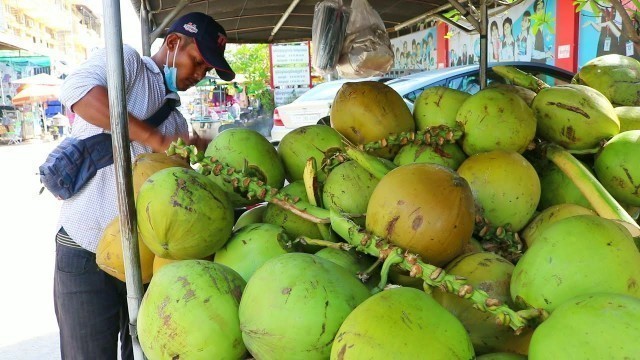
(250, 21)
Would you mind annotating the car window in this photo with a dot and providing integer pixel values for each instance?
(468, 83)
(413, 95)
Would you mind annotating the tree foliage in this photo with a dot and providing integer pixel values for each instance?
(252, 60)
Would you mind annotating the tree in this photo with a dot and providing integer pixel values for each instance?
(252, 60)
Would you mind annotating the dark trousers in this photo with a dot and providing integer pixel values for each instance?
(91, 308)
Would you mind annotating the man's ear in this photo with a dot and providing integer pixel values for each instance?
(171, 41)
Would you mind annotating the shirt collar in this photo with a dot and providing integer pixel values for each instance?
(150, 64)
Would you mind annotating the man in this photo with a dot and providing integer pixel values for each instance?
(90, 305)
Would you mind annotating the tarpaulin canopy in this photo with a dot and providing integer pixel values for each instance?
(36, 94)
(250, 21)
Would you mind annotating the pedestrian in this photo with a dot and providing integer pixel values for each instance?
(90, 305)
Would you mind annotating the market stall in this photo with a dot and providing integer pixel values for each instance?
(245, 22)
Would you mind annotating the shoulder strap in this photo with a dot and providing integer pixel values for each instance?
(157, 118)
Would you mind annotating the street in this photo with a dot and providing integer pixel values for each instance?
(28, 329)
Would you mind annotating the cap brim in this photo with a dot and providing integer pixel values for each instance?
(218, 62)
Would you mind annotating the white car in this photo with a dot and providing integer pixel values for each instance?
(307, 109)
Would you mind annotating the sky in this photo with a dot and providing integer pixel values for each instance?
(130, 22)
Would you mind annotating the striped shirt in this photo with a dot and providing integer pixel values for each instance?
(87, 214)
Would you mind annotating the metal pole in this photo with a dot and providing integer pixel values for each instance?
(484, 51)
(145, 29)
(168, 19)
(122, 162)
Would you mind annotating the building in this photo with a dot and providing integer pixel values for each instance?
(49, 36)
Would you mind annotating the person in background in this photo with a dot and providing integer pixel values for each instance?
(495, 42)
(540, 54)
(524, 42)
(234, 110)
(507, 52)
(90, 305)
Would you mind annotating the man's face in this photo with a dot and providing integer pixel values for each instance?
(539, 7)
(525, 22)
(190, 64)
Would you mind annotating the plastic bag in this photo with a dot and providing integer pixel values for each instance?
(330, 18)
(367, 49)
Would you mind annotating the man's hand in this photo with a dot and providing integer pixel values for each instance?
(200, 143)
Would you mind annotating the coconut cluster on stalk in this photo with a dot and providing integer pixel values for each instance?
(495, 222)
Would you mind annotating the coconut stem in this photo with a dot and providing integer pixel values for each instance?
(393, 259)
(365, 275)
(312, 188)
(500, 240)
(431, 275)
(324, 243)
(434, 135)
(251, 186)
(369, 162)
(599, 198)
(520, 78)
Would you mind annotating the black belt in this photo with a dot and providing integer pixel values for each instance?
(63, 238)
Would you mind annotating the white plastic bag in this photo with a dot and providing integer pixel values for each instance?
(330, 18)
(367, 49)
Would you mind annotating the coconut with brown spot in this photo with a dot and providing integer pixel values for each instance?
(423, 208)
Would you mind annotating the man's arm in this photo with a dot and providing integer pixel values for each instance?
(94, 108)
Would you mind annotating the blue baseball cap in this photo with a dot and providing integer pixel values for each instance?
(211, 40)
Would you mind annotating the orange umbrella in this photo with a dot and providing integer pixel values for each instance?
(36, 94)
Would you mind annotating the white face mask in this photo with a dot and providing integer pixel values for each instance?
(171, 73)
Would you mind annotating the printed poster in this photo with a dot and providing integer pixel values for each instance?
(605, 25)
(526, 32)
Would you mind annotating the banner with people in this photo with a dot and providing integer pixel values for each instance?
(525, 32)
(416, 51)
(605, 24)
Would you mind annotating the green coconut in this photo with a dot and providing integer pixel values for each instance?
(501, 356)
(311, 141)
(294, 225)
(246, 149)
(190, 311)
(366, 111)
(490, 273)
(401, 323)
(574, 116)
(449, 155)
(423, 208)
(629, 117)
(505, 187)
(575, 256)
(556, 188)
(252, 246)
(616, 76)
(182, 214)
(549, 216)
(438, 105)
(294, 304)
(251, 216)
(348, 188)
(617, 167)
(597, 326)
(496, 119)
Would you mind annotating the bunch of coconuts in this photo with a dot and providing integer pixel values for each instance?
(503, 207)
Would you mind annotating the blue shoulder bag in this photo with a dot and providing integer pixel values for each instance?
(75, 161)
